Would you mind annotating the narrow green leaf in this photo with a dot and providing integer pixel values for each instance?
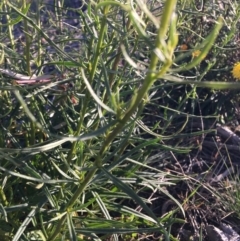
(95, 97)
(27, 220)
(71, 228)
(131, 193)
(15, 21)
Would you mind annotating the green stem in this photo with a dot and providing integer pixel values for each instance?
(38, 34)
(71, 202)
(148, 81)
(92, 75)
(11, 37)
(27, 46)
(33, 133)
(135, 103)
(79, 128)
(150, 78)
(99, 45)
(58, 229)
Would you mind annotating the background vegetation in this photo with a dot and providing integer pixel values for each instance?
(112, 119)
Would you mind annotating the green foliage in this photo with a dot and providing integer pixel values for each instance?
(80, 156)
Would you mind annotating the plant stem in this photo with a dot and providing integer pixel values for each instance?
(92, 75)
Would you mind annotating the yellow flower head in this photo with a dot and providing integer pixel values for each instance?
(196, 53)
(236, 71)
